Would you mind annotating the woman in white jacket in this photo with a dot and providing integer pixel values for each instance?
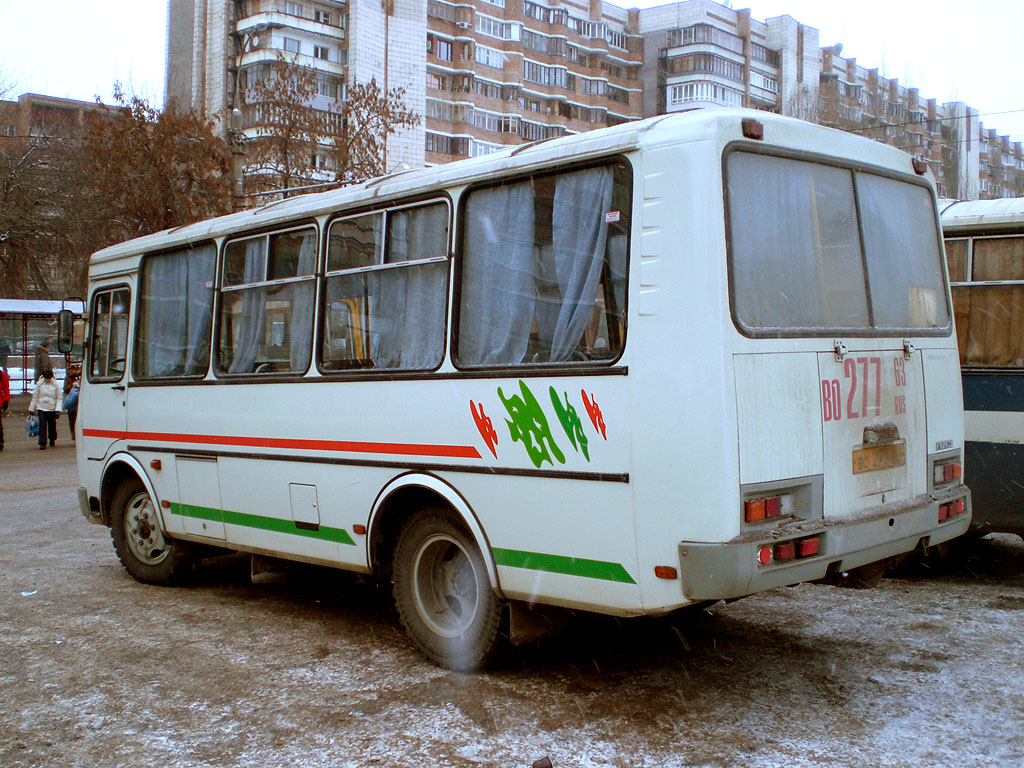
(46, 404)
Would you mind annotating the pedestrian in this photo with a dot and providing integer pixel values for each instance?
(5, 401)
(71, 386)
(43, 362)
(5, 351)
(46, 404)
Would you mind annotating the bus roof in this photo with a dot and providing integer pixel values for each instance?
(983, 214)
(651, 132)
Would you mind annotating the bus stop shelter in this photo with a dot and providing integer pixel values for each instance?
(24, 324)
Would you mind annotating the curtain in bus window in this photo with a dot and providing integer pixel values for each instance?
(251, 318)
(176, 306)
(497, 294)
(301, 326)
(901, 247)
(407, 304)
(579, 238)
(794, 246)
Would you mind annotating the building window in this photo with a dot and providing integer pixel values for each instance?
(292, 45)
(293, 9)
(444, 50)
(322, 16)
(322, 52)
(489, 57)
(620, 95)
(442, 11)
(704, 91)
(485, 25)
(538, 73)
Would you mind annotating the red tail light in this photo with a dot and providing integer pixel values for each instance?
(756, 510)
(785, 550)
(944, 511)
(947, 472)
(808, 547)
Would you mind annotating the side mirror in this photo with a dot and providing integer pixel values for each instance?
(65, 331)
(70, 335)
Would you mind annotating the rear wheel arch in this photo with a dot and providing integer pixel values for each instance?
(408, 495)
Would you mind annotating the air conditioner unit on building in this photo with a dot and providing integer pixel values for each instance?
(463, 24)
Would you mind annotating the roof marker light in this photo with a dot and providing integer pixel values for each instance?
(920, 166)
(752, 129)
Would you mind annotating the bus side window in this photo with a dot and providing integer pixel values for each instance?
(266, 317)
(386, 290)
(109, 344)
(544, 269)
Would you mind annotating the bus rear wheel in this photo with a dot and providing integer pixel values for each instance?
(141, 546)
(443, 594)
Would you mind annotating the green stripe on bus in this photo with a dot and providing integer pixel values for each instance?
(573, 566)
(277, 525)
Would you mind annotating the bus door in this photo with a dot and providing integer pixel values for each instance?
(874, 427)
(102, 414)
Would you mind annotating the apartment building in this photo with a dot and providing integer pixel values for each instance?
(487, 73)
(509, 71)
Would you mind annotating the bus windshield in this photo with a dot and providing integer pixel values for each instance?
(822, 249)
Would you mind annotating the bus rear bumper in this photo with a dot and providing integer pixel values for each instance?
(755, 562)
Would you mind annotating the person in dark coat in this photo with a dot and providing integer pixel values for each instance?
(5, 401)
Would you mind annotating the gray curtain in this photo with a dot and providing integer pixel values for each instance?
(302, 295)
(248, 334)
(580, 235)
(177, 310)
(498, 291)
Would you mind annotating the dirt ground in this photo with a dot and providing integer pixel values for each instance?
(99, 670)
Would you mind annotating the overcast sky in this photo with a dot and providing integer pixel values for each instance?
(950, 51)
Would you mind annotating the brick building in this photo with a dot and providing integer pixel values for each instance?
(488, 73)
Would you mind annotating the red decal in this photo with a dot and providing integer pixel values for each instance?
(850, 371)
(348, 446)
(486, 427)
(594, 412)
(900, 371)
(831, 400)
(877, 362)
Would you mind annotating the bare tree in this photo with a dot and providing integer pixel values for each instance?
(286, 129)
(371, 116)
(297, 136)
(149, 169)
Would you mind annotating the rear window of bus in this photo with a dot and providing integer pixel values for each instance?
(818, 249)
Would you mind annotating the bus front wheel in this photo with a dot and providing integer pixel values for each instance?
(141, 546)
(443, 594)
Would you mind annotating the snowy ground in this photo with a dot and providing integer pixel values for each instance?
(98, 670)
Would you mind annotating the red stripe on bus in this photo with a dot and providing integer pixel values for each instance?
(405, 449)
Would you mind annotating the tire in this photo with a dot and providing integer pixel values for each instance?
(141, 546)
(443, 594)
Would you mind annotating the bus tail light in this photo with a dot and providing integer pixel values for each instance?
(952, 509)
(784, 550)
(947, 470)
(756, 510)
(808, 547)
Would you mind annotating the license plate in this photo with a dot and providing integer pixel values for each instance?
(879, 457)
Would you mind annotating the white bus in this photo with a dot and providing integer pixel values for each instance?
(674, 361)
(985, 250)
